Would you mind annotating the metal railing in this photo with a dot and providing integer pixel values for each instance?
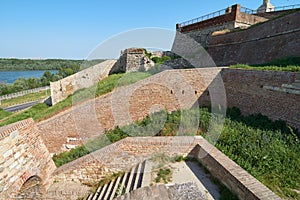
(22, 93)
(243, 9)
(248, 10)
(281, 8)
(204, 17)
(289, 7)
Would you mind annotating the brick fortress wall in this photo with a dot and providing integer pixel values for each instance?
(274, 94)
(22, 155)
(263, 43)
(233, 18)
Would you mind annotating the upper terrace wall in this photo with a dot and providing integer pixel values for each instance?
(63, 88)
(233, 18)
(271, 40)
(22, 155)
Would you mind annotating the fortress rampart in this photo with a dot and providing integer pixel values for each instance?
(274, 94)
(263, 43)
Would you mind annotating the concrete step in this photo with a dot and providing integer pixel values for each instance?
(137, 176)
(97, 193)
(142, 171)
(135, 173)
(109, 189)
(102, 192)
(128, 185)
(147, 174)
(117, 182)
(131, 180)
(121, 184)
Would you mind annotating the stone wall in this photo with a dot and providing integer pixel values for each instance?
(132, 60)
(122, 156)
(271, 40)
(170, 90)
(22, 155)
(63, 88)
(233, 18)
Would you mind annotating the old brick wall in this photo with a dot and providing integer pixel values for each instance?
(22, 155)
(170, 90)
(264, 92)
(121, 156)
(63, 88)
(271, 40)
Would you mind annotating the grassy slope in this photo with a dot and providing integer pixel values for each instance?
(42, 111)
(291, 64)
(4, 114)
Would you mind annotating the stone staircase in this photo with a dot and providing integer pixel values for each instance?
(135, 178)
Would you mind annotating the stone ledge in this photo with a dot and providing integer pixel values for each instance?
(244, 185)
(7, 130)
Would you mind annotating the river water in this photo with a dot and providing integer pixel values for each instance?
(11, 76)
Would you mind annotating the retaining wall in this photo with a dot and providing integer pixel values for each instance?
(274, 94)
(128, 152)
(170, 90)
(230, 174)
(63, 88)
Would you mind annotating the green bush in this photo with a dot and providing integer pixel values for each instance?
(160, 60)
(163, 174)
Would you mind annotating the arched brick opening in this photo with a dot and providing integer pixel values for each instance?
(32, 189)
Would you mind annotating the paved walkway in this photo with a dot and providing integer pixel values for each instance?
(184, 172)
(67, 190)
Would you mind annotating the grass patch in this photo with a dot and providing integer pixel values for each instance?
(26, 98)
(290, 64)
(4, 114)
(90, 146)
(42, 111)
(132, 77)
(163, 174)
(268, 68)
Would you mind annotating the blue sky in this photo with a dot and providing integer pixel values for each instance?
(73, 28)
